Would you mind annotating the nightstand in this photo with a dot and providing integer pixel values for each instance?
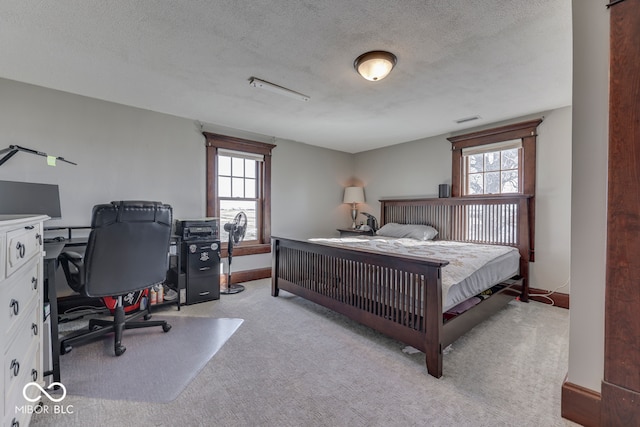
(344, 232)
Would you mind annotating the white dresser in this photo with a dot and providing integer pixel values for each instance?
(21, 314)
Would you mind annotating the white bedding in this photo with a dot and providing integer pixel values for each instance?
(472, 268)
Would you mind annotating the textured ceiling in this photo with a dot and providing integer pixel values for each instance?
(459, 58)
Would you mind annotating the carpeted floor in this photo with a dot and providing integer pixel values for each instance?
(293, 363)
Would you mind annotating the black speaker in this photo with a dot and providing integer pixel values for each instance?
(444, 191)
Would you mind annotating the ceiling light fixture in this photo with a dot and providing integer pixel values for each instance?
(375, 65)
(278, 89)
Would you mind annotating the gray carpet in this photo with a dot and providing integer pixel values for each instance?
(156, 366)
(293, 363)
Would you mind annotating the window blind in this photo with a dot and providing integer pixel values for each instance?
(240, 154)
(496, 146)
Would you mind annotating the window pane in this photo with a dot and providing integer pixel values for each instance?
(492, 161)
(492, 182)
(476, 184)
(224, 165)
(238, 187)
(510, 159)
(475, 163)
(224, 186)
(510, 181)
(230, 208)
(249, 188)
(237, 166)
(250, 168)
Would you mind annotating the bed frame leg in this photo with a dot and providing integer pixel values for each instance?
(275, 262)
(434, 360)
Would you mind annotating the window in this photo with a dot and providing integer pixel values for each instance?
(238, 190)
(495, 161)
(239, 179)
(492, 168)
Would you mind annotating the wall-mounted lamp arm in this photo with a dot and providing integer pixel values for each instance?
(13, 149)
(11, 153)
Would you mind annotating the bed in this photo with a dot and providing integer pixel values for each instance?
(400, 293)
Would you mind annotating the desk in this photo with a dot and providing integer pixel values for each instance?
(52, 250)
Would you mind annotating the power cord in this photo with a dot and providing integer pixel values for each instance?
(548, 294)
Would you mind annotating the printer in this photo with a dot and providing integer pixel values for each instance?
(198, 229)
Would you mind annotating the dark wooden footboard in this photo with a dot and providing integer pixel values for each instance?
(398, 296)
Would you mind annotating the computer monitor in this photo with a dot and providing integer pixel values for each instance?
(18, 198)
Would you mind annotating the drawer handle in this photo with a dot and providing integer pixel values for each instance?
(34, 374)
(34, 328)
(39, 238)
(15, 306)
(34, 280)
(29, 227)
(15, 423)
(15, 367)
(21, 249)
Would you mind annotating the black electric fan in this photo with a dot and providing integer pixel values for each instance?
(236, 229)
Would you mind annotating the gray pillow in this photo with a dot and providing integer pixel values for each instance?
(414, 231)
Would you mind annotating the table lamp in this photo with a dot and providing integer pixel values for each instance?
(353, 195)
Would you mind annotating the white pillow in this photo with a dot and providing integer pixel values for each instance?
(414, 231)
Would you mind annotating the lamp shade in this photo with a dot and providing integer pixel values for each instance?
(353, 195)
(375, 65)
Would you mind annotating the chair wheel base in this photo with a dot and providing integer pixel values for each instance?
(120, 350)
(147, 316)
(166, 327)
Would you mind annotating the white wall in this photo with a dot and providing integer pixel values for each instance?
(553, 203)
(416, 168)
(129, 153)
(122, 152)
(307, 188)
(589, 192)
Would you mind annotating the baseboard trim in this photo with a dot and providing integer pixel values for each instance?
(559, 299)
(246, 276)
(581, 405)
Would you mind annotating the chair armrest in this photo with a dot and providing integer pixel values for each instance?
(75, 276)
(73, 257)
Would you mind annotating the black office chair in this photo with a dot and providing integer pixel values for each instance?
(126, 253)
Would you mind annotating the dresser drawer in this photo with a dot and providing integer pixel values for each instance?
(22, 245)
(17, 296)
(19, 352)
(31, 371)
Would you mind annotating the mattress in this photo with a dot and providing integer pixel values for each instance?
(472, 269)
